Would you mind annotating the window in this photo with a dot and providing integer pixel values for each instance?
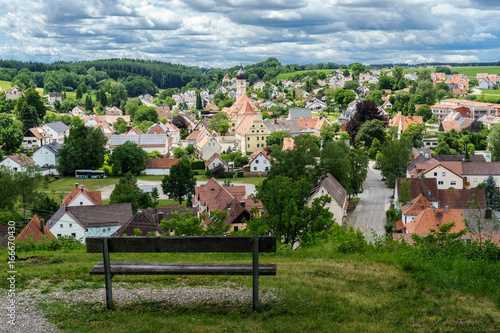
(248, 145)
(252, 131)
(254, 168)
(256, 161)
(475, 180)
(262, 138)
(440, 182)
(257, 145)
(61, 225)
(235, 228)
(453, 183)
(73, 234)
(435, 174)
(484, 180)
(70, 225)
(443, 174)
(58, 235)
(81, 203)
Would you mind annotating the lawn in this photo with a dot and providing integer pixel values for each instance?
(490, 92)
(316, 290)
(287, 76)
(5, 85)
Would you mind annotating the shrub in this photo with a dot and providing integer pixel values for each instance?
(197, 165)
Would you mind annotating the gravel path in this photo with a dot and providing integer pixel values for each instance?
(30, 320)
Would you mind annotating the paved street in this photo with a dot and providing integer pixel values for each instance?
(374, 201)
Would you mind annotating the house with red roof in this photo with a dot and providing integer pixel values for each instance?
(35, 137)
(160, 166)
(82, 196)
(214, 161)
(260, 161)
(35, 231)
(17, 162)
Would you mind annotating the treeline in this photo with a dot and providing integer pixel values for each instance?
(452, 64)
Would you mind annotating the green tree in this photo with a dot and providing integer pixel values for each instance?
(368, 131)
(120, 126)
(358, 170)
(415, 134)
(146, 113)
(180, 182)
(404, 192)
(443, 149)
(34, 100)
(198, 102)
(334, 160)
(349, 96)
(288, 215)
(374, 148)
(11, 133)
(276, 138)
(154, 154)
(494, 143)
(219, 122)
(425, 111)
(128, 158)
(127, 191)
(365, 111)
(132, 106)
(393, 159)
(26, 114)
(492, 193)
(155, 197)
(82, 149)
(385, 82)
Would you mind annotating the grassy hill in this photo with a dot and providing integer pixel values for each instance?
(287, 76)
(342, 285)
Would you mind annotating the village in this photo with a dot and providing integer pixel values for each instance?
(440, 182)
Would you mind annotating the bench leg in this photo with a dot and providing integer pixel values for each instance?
(255, 248)
(107, 274)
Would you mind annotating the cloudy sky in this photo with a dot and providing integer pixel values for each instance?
(223, 33)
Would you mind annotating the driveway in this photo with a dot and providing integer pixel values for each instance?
(369, 214)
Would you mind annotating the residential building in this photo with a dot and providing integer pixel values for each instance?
(35, 137)
(89, 221)
(35, 231)
(297, 113)
(57, 131)
(475, 173)
(251, 134)
(338, 203)
(160, 166)
(82, 196)
(17, 162)
(214, 161)
(46, 158)
(260, 161)
(148, 142)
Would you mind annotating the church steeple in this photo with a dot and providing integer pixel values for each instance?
(241, 82)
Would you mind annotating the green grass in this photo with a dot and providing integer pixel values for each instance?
(5, 85)
(318, 289)
(490, 92)
(287, 76)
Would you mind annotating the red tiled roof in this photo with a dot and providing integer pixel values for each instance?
(416, 206)
(213, 157)
(93, 196)
(34, 231)
(431, 219)
(22, 159)
(161, 163)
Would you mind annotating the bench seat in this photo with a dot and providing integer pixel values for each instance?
(158, 268)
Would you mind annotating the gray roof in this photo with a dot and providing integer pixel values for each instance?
(334, 189)
(52, 147)
(58, 126)
(290, 126)
(296, 113)
(481, 168)
(95, 216)
(140, 140)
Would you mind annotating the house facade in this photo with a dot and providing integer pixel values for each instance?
(46, 158)
(338, 204)
(57, 131)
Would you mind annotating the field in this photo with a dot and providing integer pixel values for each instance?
(491, 92)
(318, 289)
(5, 85)
(286, 76)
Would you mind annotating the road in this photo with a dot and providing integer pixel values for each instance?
(369, 214)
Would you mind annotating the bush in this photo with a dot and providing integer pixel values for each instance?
(61, 243)
(197, 165)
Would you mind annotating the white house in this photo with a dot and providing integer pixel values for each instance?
(17, 162)
(160, 166)
(215, 161)
(260, 161)
(57, 131)
(81, 196)
(46, 158)
(35, 137)
(338, 204)
(89, 221)
(485, 84)
(207, 146)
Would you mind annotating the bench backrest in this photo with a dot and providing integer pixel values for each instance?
(182, 244)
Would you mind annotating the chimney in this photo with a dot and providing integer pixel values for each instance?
(76, 185)
(487, 213)
(242, 203)
(447, 208)
(160, 216)
(81, 188)
(42, 225)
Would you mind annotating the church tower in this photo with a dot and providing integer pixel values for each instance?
(241, 82)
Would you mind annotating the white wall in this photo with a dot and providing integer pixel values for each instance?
(81, 200)
(101, 231)
(66, 226)
(44, 156)
(259, 164)
(156, 171)
(9, 163)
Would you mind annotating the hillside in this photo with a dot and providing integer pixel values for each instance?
(343, 285)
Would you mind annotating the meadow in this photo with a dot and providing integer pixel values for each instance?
(340, 284)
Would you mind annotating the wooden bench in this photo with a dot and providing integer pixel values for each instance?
(242, 244)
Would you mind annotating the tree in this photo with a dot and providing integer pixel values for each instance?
(358, 171)
(34, 100)
(198, 102)
(26, 114)
(365, 111)
(349, 96)
(185, 224)
(146, 113)
(425, 111)
(393, 159)
(179, 122)
(127, 191)
(385, 82)
(426, 89)
(11, 133)
(120, 126)
(288, 216)
(180, 182)
(333, 160)
(404, 192)
(276, 138)
(299, 162)
(154, 154)
(494, 143)
(368, 131)
(89, 107)
(339, 96)
(82, 149)
(415, 134)
(128, 158)
(132, 106)
(374, 148)
(219, 122)
(443, 149)
(492, 193)
(155, 197)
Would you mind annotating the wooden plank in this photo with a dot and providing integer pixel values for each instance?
(153, 268)
(145, 244)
